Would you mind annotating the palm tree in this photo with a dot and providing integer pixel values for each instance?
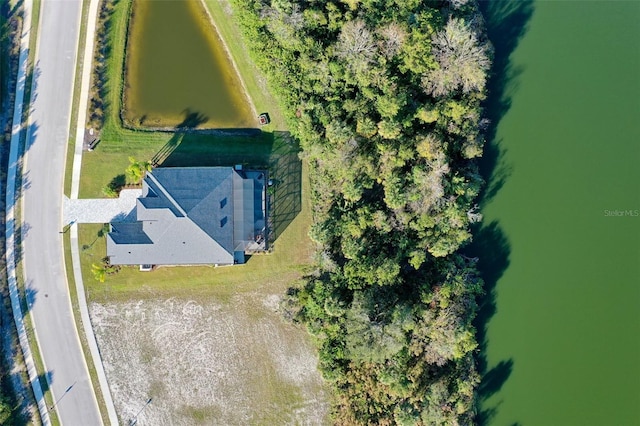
(99, 271)
(102, 269)
(137, 169)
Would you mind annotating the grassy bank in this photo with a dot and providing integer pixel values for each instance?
(254, 81)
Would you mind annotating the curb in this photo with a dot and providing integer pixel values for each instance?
(75, 187)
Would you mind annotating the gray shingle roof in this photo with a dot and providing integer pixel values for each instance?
(188, 216)
(129, 233)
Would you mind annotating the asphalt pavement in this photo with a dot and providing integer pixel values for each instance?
(44, 271)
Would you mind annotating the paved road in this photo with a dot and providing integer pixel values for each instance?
(42, 213)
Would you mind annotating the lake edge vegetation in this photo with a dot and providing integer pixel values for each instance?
(385, 99)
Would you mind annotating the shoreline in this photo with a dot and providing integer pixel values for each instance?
(245, 91)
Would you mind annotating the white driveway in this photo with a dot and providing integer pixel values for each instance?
(102, 210)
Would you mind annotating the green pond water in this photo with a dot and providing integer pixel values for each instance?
(178, 72)
(563, 340)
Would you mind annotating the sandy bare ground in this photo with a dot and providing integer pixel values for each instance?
(231, 362)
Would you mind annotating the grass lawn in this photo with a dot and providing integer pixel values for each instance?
(254, 81)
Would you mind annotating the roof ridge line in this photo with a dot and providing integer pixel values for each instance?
(166, 193)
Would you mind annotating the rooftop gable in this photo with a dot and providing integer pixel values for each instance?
(187, 214)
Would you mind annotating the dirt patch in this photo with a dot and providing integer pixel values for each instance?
(214, 363)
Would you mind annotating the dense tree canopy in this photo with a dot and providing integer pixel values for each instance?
(384, 96)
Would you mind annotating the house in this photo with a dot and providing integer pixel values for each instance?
(193, 215)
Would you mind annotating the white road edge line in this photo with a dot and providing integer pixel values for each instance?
(10, 200)
(75, 188)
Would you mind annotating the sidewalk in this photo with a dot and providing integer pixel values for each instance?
(75, 186)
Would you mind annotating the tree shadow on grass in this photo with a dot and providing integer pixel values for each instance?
(189, 147)
(285, 168)
(191, 119)
(20, 232)
(116, 185)
(506, 22)
(45, 380)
